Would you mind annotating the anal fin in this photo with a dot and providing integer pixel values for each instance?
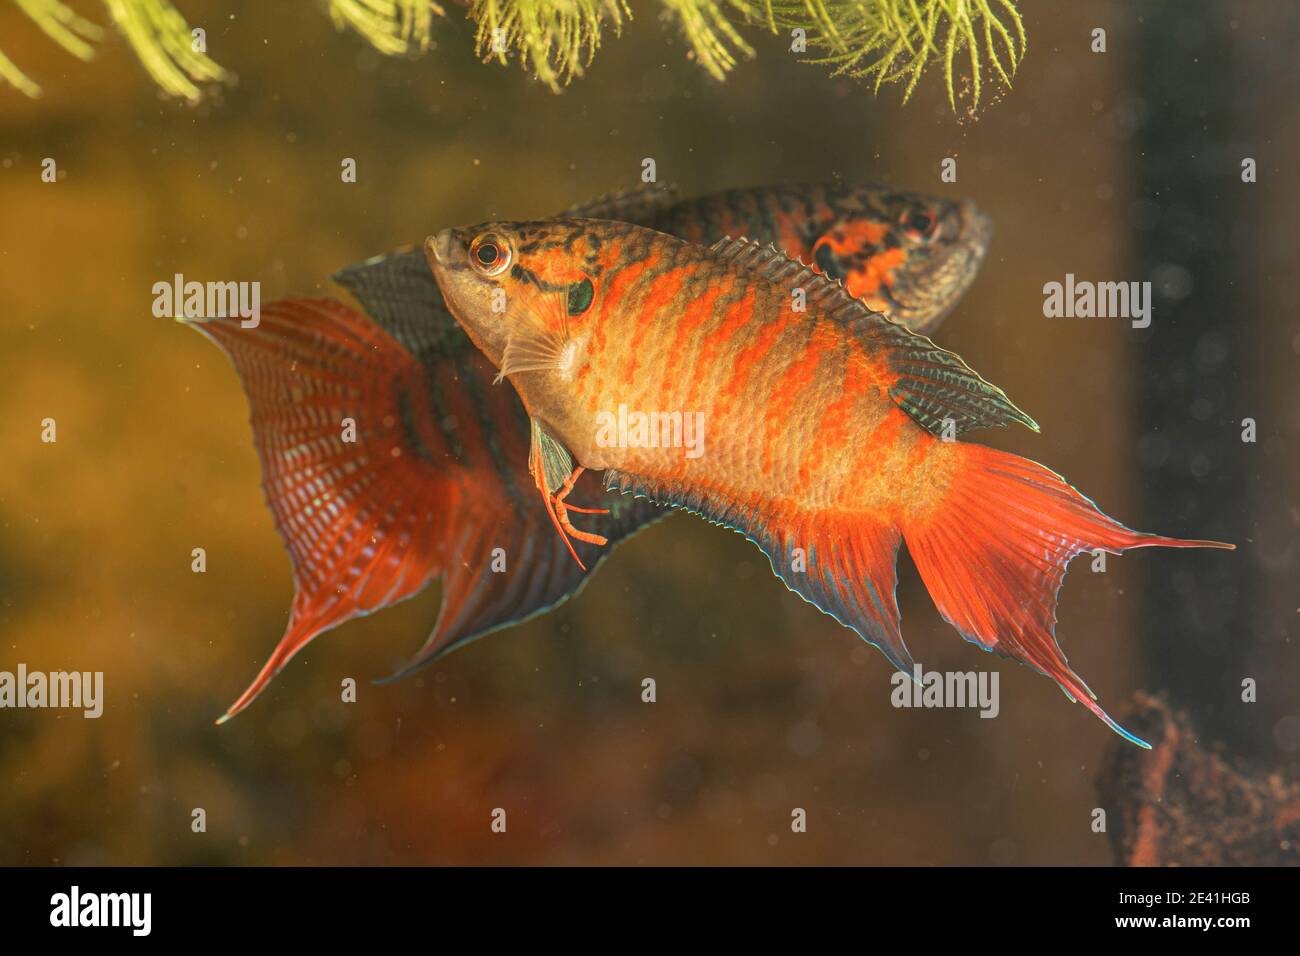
(843, 565)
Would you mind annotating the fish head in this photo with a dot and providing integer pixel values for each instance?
(910, 255)
(473, 270)
(515, 280)
(524, 294)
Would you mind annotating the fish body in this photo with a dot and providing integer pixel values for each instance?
(830, 428)
(435, 483)
(677, 328)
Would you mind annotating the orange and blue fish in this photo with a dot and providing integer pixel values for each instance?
(831, 429)
(435, 482)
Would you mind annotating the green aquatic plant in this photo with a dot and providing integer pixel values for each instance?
(162, 39)
(394, 27)
(60, 23)
(880, 41)
(893, 41)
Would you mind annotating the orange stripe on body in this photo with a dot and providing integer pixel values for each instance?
(883, 439)
(751, 355)
(798, 376)
(616, 290)
(663, 289)
(736, 317)
(698, 311)
(832, 433)
(611, 303)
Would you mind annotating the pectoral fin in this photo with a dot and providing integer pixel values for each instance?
(540, 352)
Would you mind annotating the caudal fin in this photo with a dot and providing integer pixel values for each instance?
(347, 443)
(388, 464)
(994, 551)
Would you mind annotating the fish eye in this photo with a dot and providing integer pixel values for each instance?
(919, 224)
(489, 254)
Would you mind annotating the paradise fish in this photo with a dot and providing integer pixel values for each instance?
(825, 429)
(434, 482)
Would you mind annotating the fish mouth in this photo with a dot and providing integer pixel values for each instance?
(441, 249)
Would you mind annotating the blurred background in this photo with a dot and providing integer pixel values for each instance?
(1116, 166)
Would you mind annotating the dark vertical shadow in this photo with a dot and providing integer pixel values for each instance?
(1196, 236)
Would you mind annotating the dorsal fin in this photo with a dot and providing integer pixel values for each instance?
(933, 386)
(640, 204)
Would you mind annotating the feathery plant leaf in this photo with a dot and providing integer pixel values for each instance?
(711, 35)
(554, 39)
(894, 41)
(156, 31)
(161, 39)
(61, 24)
(880, 41)
(16, 78)
(393, 27)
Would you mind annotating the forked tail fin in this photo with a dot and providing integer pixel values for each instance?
(345, 439)
(994, 551)
(428, 481)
